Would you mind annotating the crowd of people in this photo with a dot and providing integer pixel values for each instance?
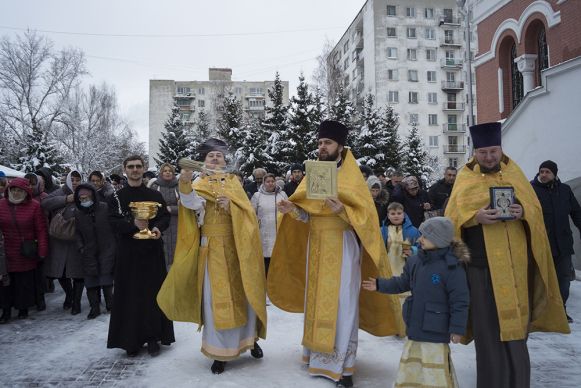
(388, 255)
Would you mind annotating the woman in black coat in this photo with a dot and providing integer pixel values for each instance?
(97, 246)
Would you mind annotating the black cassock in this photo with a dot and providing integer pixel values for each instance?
(139, 273)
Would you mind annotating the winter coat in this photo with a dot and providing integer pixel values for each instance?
(64, 255)
(105, 192)
(439, 300)
(413, 206)
(558, 203)
(290, 187)
(264, 203)
(170, 192)
(439, 194)
(382, 198)
(251, 188)
(94, 237)
(3, 270)
(31, 224)
(410, 232)
(49, 185)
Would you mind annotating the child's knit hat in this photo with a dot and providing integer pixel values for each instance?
(439, 230)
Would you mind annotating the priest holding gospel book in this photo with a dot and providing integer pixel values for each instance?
(325, 247)
(513, 286)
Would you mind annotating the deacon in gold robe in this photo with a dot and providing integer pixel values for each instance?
(513, 286)
(322, 251)
(217, 279)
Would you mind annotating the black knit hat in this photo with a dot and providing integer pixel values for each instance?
(212, 144)
(333, 130)
(550, 165)
(296, 166)
(486, 134)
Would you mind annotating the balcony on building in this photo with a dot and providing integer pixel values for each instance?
(451, 63)
(452, 85)
(449, 20)
(454, 127)
(453, 105)
(254, 95)
(359, 40)
(360, 62)
(454, 149)
(184, 103)
(451, 41)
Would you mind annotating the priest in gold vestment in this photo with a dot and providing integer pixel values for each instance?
(217, 279)
(322, 251)
(513, 285)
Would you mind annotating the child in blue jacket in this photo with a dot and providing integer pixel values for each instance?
(437, 310)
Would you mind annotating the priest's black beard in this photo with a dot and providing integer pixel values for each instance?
(330, 157)
(485, 170)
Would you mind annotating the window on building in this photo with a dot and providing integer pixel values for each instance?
(201, 103)
(413, 75)
(393, 96)
(346, 46)
(431, 75)
(346, 64)
(255, 91)
(393, 75)
(517, 81)
(433, 141)
(184, 91)
(430, 33)
(432, 119)
(432, 98)
(448, 15)
(414, 118)
(431, 54)
(183, 102)
(543, 54)
(411, 33)
(449, 36)
(429, 13)
(354, 56)
(410, 12)
(391, 32)
(201, 91)
(412, 55)
(453, 162)
(185, 117)
(450, 76)
(392, 52)
(391, 10)
(413, 97)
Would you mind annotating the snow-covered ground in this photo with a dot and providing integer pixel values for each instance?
(53, 348)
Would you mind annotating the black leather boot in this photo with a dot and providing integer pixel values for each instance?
(346, 381)
(78, 286)
(108, 294)
(5, 318)
(153, 348)
(92, 295)
(68, 289)
(256, 352)
(218, 367)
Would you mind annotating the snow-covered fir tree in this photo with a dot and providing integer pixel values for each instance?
(416, 157)
(299, 138)
(393, 144)
(39, 152)
(318, 114)
(230, 123)
(371, 139)
(174, 142)
(342, 110)
(199, 133)
(274, 125)
(253, 153)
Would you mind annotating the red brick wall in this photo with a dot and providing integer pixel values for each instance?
(563, 40)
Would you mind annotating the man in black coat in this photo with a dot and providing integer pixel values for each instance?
(558, 203)
(253, 186)
(139, 270)
(295, 179)
(415, 201)
(441, 190)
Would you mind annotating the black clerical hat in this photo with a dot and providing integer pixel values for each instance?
(333, 130)
(486, 134)
(212, 144)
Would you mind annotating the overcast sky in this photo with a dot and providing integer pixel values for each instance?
(129, 42)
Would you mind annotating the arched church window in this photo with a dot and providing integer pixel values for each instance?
(517, 81)
(543, 54)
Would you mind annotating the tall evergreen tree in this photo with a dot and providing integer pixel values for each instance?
(199, 133)
(416, 157)
(274, 126)
(39, 152)
(174, 143)
(253, 153)
(230, 124)
(318, 114)
(301, 129)
(393, 145)
(371, 139)
(342, 110)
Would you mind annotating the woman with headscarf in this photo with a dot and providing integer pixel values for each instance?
(21, 222)
(264, 202)
(97, 246)
(167, 184)
(64, 260)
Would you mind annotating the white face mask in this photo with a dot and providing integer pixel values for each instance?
(16, 197)
(87, 203)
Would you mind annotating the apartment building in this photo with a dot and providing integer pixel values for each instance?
(411, 54)
(193, 96)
